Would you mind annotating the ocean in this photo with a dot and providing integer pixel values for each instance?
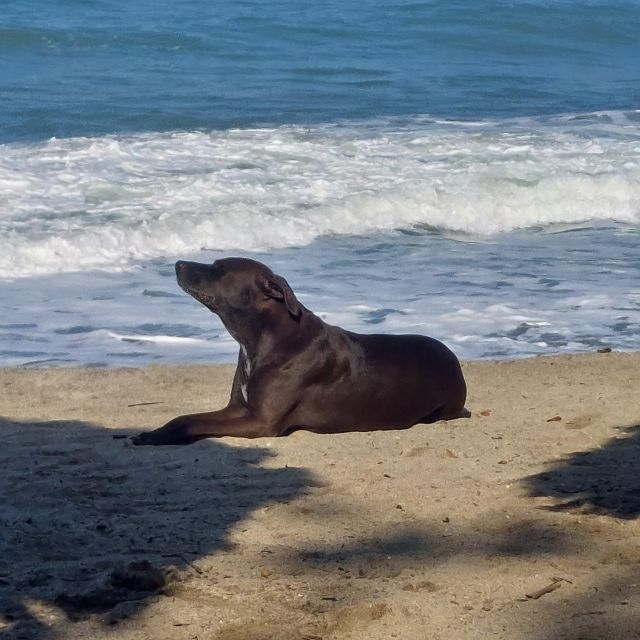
(465, 170)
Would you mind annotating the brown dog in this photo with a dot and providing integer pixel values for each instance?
(297, 372)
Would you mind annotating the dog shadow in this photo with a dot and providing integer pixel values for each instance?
(604, 480)
(91, 524)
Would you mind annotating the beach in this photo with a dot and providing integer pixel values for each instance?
(409, 168)
(519, 522)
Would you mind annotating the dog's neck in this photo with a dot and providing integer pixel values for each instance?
(247, 340)
(257, 336)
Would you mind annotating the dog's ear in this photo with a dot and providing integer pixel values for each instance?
(277, 287)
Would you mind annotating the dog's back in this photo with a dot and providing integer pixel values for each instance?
(378, 381)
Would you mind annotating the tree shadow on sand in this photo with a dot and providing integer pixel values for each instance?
(90, 523)
(607, 610)
(601, 481)
(422, 547)
(604, 480)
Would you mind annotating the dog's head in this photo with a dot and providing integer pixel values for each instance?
(233, 286)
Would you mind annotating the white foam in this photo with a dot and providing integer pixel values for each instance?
(83, 203)
(156, 339)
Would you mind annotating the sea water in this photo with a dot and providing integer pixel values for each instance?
(466, 170)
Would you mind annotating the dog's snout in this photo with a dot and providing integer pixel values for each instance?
(192, 276)
(186, 276)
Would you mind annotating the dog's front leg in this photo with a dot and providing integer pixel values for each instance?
(232, 421)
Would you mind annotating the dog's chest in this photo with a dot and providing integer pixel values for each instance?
(247, 372)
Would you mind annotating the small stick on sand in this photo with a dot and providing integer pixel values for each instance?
(534, 595)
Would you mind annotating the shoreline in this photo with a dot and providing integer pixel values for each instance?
(519, 522)
(195, 381)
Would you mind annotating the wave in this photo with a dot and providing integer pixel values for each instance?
(154, 339)
(81, 203)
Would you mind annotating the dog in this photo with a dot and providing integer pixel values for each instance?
(297, 372)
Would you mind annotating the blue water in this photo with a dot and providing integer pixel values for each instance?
(467, 170)
(74, 68)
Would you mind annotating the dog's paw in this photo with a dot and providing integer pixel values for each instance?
(142, 439)
(162, 436)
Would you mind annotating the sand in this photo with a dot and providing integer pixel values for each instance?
(520, 522)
